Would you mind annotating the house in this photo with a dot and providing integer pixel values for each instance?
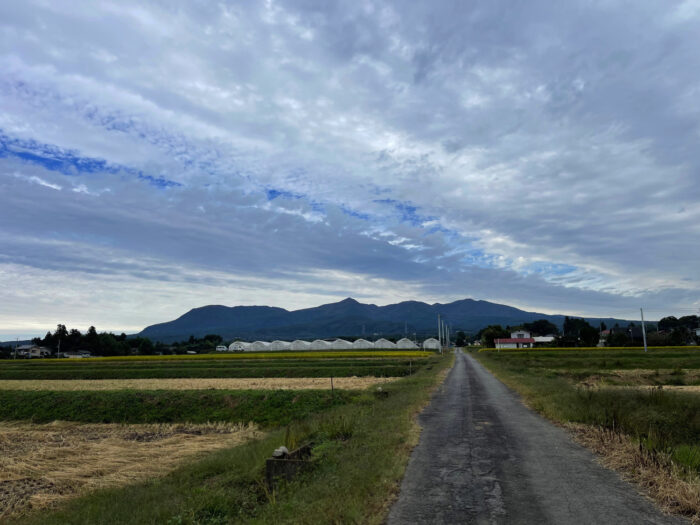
(517, 339)
(33, 351)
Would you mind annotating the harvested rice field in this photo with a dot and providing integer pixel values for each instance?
(268, 383)
(40, 465)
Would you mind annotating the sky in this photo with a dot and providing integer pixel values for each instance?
(160, 156)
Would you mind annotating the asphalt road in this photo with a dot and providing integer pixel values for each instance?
(484, 457)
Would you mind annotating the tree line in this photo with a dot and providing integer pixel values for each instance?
(576, 332)
(105, 344)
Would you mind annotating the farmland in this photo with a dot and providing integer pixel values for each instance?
(215, 419)
(629, 404)
(267, 364)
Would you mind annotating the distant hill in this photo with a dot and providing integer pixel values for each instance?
(345, 318)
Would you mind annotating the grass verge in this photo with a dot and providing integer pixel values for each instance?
(663, 427)
(359, 456)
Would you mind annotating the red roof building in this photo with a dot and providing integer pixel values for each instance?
(514, 342)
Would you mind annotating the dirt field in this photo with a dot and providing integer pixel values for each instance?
(41, 464)
(269, 383)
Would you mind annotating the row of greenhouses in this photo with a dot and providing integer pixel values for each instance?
(336, 344)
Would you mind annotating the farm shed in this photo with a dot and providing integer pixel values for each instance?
(384, 343)
(362, 344)
(320, 344)
(406, 344)
(431, 344)
(279, 345)
(300, 345)
(341, 344)
(259, 346)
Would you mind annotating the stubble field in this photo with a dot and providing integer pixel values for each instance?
(74, 429)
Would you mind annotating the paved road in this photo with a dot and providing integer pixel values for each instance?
(484, 457)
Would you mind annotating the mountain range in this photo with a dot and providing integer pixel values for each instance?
(348, 318)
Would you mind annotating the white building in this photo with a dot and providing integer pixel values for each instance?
(384, 344)
(406, 344)
(431, 344)
(279, 345)
(300, 345)
(259, 346)
(362, 344)
(543, 338)
(517, 339)
(341, 344)
(238, 346)
(222, 348)
(320, 344)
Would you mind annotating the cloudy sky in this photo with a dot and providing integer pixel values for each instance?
(158, 157)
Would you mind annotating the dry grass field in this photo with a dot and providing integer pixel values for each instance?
(43, 464)
(267, 383)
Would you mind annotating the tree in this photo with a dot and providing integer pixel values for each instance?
(541, 327)
(491, 332)
(146, 347)
(668, 323)
(578, 332)
(460, 338)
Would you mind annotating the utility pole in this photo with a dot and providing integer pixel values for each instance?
(644, 331)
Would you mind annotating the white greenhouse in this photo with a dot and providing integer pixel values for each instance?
(300, 345)
(320, 344)
(406, 344)
(259, 346)
(431, 344)
(279, 345)
(341, 344)
(384, 344)
(362, 344)
(238, 346)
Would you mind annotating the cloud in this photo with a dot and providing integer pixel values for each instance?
(545, 156)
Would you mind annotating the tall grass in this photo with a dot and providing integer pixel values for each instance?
(663, 421)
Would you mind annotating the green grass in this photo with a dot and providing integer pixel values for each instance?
(266, 407)
(78, 369)
(359, 456)
(663, 421)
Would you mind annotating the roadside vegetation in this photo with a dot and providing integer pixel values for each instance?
(360, 446)
(609, 392)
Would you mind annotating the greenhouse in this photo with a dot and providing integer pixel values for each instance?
(238, 346)
(320, 344)
(406, 344)
(341, 344)
(300, 345)
(279, 345)
(362, 344)
(259, 346)
(431, 344)
(384, 344)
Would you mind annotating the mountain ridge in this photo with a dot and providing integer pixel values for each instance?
(347, 317)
